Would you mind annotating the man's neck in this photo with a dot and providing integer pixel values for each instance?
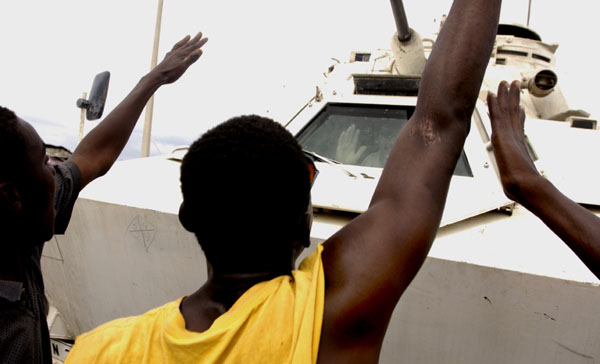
(217, 295)
(15, 249)
(228, 288)
(12, 267)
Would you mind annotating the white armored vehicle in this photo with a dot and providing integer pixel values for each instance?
(497, 287)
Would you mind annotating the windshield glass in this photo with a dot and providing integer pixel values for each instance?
(361, 135)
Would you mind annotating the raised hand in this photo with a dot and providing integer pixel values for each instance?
(183, 54)
(100, 148)
(347, 150)
(508, 138)
(576, 226)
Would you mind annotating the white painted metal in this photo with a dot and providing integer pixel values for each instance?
(60, 351)
(496, 288)
(57, 324)
(118, 260)
(409, 56)
(468, 196)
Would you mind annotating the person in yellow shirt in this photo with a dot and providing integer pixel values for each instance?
(246, 196)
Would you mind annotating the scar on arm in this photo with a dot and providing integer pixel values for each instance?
(425, 129)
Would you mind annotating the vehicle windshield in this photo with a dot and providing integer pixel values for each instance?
(361, 135)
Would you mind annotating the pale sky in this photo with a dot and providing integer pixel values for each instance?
(263, 56)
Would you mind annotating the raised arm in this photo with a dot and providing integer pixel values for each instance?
(576, 226)
(101, 147)
(370, 262)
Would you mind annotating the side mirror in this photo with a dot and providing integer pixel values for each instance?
(97, 98)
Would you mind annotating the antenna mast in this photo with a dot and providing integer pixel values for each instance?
(150, 106)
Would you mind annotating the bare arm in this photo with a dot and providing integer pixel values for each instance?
(101, 147)
(370, 262)
(576, 226)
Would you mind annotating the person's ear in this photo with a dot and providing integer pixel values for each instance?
(10, 197)
(185, 217)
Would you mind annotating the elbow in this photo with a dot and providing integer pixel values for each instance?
(442, 121)
(450, 106)
(101, 172)
(104, 165)
(90, 168)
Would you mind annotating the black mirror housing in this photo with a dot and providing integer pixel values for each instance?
(97, 98)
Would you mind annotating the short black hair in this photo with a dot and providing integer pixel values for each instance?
(12, 145)
(246, 183)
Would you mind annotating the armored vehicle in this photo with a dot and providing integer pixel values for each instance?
(497, 287)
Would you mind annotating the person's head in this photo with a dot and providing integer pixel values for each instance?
(246, 195)
(26, 182)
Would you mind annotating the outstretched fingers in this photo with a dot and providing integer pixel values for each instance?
(496, 117)
(508, 138)
(193, 49)
(522, 119)
(176, 62)
(195, 43)
(355, 137)
(514, 106)
(503, 97)
(196, 38)
(186, 46)
(181, 42)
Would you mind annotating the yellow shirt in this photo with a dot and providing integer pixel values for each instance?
(278, 321)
